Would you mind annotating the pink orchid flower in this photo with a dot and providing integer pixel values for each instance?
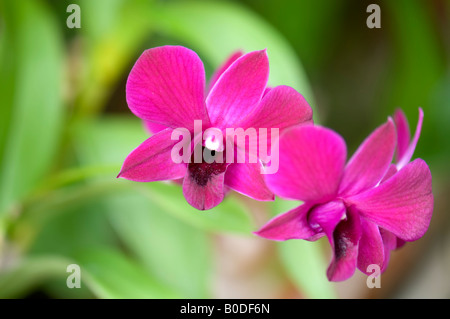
(404, 152)
(347, 202)
(166, 89)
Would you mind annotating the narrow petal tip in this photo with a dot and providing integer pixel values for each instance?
(420, 112)
(390, 124)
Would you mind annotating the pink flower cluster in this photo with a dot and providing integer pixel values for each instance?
(366, 206)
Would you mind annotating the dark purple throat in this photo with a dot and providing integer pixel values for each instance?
(202, 172)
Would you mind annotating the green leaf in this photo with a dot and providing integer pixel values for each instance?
(303, 23)
(176, 253)
(107, 273)
(111, 275)
(418, 63)
(113, 31)
(230, 216)
(218, 28)
(40, 210)
(29, 273)
(71, 225)
(31, 113)
(153, 219)
(306, 265)
(71, 228)
(304, 261)
(418, 72)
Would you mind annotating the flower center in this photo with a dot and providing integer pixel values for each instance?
(212, 164)
(327, 215)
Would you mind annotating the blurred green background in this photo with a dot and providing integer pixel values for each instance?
(65, 130)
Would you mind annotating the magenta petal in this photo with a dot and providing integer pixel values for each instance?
(246, 178)
(343, 234)
(400, 243)
(389, 243)
(345, 246)
(166, 86)
(281, 107)
(403, 134)
(153, 128)
(389, 239)
(152, 161)
(403, 204)
(325, 217)
(204, 197)
(370, 162)
(312, 160)
(238, 90)
(389, 173)
(371, 248)
(233, 57)
(408, 153)
(266, 90)
(290, 225)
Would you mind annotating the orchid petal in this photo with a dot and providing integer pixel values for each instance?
(290, 225)
(392, 170)
(312, 160)
(403, 134)
(371, 248)
(152, 161)
(389, 239)
(267, 90)
(370, 162)
(153, 128)
(282, 107)
(344, 243)
(400, 243)
(324, 218)
(246, 178)
(238, 90)
(166, 86)
(204, 197)
(216, 75)
(332, 220)
(403, 204)
(408, 153)
(389, 243)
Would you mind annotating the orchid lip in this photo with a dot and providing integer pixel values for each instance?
(320, 215)
(202, 172)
